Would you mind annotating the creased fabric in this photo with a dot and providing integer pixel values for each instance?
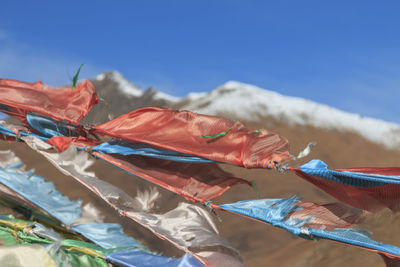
(40, 230)
(106, 235)
(214, 258)
(133, 148)
(10, 132)
(62, 135)
(26, 256)
(62, 251)
(187, 225)
(139, 259)
(74, 163)
(59, 103)
(196, 182)
(187, 132)
(370, 189)
(51, 128)
(288, 214)
(35, 188)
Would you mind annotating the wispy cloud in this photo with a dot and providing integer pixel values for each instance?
(23, 62)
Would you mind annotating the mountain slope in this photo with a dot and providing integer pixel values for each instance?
(118, 96)
(251, 103)
(241, 101)
(259, 244)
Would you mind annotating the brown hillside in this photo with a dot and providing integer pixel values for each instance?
(259, 244)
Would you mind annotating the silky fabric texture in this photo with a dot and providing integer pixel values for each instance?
(214, 258)
(282, 213)
(106, 235)
(42, 231)
(191, 223)
(74, 163)
(370, 189)
(10, 132)
(185, 132)
(39, 256)
(187, 225)
(25, 256)
(180, 131)
(123, 147)
(139, 259)
(194, 181)
(43, 250)
(62, 103)
(328, 216)
(51, 128)
(10, 196)
(38, 191)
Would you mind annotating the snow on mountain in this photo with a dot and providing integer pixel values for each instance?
(163, 96)
(249, 102)
(129, 89)
(124, 85)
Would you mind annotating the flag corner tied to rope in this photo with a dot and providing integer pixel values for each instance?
(367, 188)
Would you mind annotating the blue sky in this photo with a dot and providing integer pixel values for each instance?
(342, 53)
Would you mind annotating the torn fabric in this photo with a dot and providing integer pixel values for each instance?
(38, 191)
(185, 226)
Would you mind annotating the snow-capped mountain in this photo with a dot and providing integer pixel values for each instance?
(121, 83)
(248, 102)
(245, 102)
(117, 96)
(129, 89)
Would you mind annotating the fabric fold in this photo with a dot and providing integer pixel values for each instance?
(370, 189)
(18, 98)
(197, 134)
(314, 222)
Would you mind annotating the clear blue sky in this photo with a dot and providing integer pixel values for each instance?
(342, 53)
